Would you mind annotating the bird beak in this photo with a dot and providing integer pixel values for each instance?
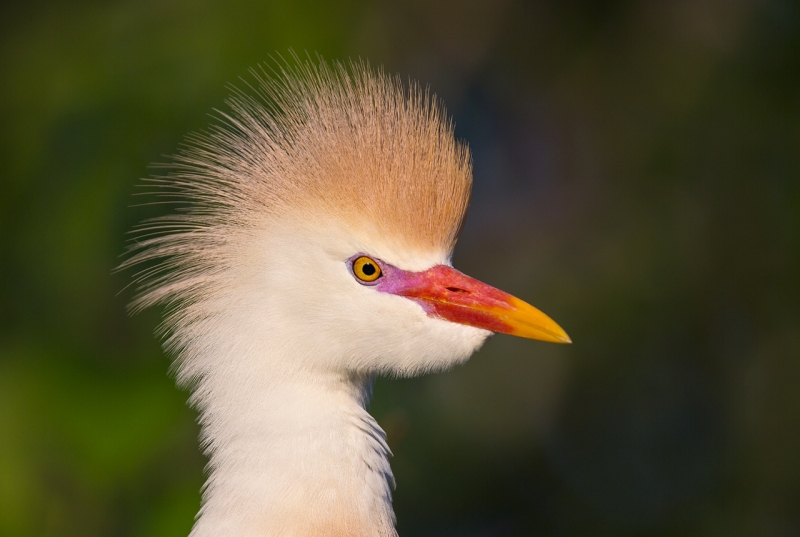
(449, 294)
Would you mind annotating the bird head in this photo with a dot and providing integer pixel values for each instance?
(323, 211)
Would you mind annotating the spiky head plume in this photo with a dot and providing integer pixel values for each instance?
(309, 142)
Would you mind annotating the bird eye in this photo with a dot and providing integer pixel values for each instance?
(366, 269)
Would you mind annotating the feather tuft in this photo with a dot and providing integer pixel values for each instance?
(313, 142)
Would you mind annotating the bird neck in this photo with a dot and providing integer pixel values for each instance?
(298, 457)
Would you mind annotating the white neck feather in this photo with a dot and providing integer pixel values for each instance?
(299, 457)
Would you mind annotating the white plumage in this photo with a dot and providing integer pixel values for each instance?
(275, 327)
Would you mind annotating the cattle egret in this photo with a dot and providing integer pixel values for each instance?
(312, 253)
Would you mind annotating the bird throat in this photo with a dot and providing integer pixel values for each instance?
(300, 457)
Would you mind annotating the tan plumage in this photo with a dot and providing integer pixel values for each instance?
(317, 142)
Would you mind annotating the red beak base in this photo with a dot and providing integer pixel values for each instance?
(449, 294)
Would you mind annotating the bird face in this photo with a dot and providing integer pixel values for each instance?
(372, 308)
(445, 293)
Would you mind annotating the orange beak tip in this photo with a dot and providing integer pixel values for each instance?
(527, 321)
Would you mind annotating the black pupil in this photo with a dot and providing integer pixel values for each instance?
(368, 269)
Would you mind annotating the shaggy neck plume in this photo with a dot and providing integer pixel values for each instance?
(297, 458)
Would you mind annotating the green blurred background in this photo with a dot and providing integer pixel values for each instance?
(637, 176)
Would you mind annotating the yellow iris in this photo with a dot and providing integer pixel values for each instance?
(366, 269)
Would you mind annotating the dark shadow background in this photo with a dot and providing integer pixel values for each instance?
(636, 176)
